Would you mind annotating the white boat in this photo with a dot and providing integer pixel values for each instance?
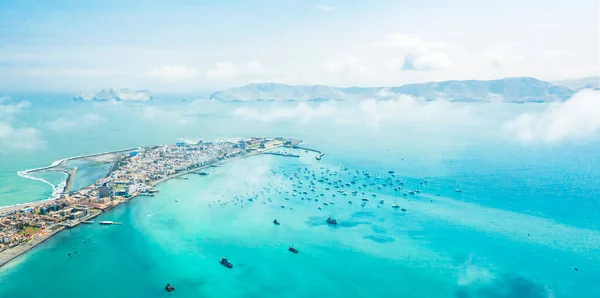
(106, 222)
(396, 206)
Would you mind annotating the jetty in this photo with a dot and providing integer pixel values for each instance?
(319, 152)
(69, 182)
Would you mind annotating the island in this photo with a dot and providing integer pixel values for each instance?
(135, 172)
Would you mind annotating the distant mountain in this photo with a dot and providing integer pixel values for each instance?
(115, 95)
(578, 84)
(504, 90)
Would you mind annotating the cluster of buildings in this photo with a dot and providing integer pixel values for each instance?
(132, 174)
(20, 226)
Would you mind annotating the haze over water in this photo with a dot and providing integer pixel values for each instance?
(526, 216)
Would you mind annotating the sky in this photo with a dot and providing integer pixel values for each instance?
(186, 46)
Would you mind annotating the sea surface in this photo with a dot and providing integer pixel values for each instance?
(526, 217)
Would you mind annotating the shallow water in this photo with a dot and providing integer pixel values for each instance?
(526, 216)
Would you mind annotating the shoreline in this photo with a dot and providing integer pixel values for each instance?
(61, 162)
(12, 253)
(61, 186)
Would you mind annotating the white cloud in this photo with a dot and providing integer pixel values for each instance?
(67, 123)
(577, 118)
(417, 53)
(325, 7)
(396, 110)
(302, 113)
(226, 70)
(9, 109)
(174, 72)
(170, 116)
(12, 136)
(22, 138)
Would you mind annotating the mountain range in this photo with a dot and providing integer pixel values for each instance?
(110, 94)
(517, 90)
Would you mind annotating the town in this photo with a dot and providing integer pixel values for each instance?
(135, 173)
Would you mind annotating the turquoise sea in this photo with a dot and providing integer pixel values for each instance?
(527, 215)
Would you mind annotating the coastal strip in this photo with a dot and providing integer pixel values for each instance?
(131, 176)
(63, 161)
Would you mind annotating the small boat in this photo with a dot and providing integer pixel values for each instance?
(226, 262)
(331, 221)
(396, 206)
(403, 209)
(275, 221)
(292, 249)
(169, 288)
(380, 201)
(458, 190)
(106, 222)
(176, 200)
(365, 200)
(391, 172)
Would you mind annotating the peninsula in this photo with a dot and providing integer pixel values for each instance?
(134, 173)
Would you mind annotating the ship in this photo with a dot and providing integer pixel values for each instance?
(169, 288)
(331, 221)
(292, 249)
(226, 263)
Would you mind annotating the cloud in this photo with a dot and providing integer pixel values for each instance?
(395, 110)
(302, 113)
(13, 136)
(226, 70)
(169, 116)
(174, 72)
(325, 7)
(419, 54)
(85, 121)
(577, 118)
(23, 138)
(7, 109)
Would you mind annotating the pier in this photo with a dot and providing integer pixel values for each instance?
(282, 154)
(69, 181)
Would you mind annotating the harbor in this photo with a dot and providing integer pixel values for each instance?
(134, 173)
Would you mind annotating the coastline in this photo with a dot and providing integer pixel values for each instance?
(10, 254)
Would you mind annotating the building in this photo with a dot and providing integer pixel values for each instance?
(78, 214)
(103, 191)
(133, 153)
(180, 144)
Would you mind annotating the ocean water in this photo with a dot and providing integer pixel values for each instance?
(526, 217)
